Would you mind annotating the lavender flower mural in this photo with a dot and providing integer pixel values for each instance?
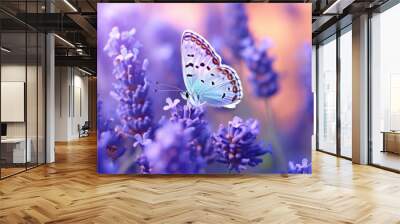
(236, 145)
(131, 86)
(168, 154)
(263, 77)
(302, 168)
(145, 127)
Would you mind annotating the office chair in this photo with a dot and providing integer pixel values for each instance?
(84, 130)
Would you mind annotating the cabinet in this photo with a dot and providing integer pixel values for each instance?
(391, 142)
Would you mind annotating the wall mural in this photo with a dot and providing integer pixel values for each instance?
(204, 88)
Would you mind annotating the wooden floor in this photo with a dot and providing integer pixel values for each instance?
(5, 172)
(387, 159)
(70, 191)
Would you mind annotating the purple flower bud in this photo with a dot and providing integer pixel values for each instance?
(143, 165)
(192, 118)
(236, 145)
(169, 152)
(300, 168)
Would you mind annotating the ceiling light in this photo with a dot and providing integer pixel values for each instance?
(80, 51)
(84, 71)
(333, 6)
(70, 5)
(337, 7)
(65, 41)
(5, 50)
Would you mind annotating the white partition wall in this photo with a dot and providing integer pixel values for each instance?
(13, 145)
(22, 90)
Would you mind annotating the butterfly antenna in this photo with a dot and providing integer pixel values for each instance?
(168, 85)
(166, 90)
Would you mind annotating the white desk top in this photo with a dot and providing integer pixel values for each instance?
(13, 140)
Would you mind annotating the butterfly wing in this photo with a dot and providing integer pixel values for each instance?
(205, 77)
(223, 88)
(198, 58)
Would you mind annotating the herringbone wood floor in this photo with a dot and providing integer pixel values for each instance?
(70, 191)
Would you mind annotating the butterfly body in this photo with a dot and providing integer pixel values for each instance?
(207, 80)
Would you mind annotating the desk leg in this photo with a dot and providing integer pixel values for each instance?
(384, 142)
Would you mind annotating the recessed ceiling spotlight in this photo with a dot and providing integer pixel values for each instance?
(70, 5)
(337, 7)
(64, 40)
(5, 50)
(85, 72)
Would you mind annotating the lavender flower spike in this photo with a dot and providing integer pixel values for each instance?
(130, 87)
(192, 118)
(304, 167)
(263, 77)
(242, 43)
(238, 35)
(236, 145)
(168, 153)
(109, 143)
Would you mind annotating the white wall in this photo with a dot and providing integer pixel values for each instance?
(71, 94)
(62, 81)
(80, 103)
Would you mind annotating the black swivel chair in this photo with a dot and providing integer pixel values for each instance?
(84, 130)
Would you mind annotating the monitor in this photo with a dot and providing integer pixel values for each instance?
(3, 129)
(12, 98)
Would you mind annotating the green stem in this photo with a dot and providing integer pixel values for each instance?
(273, 135)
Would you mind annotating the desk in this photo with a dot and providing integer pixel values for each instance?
(391, 141)
(16, 147)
